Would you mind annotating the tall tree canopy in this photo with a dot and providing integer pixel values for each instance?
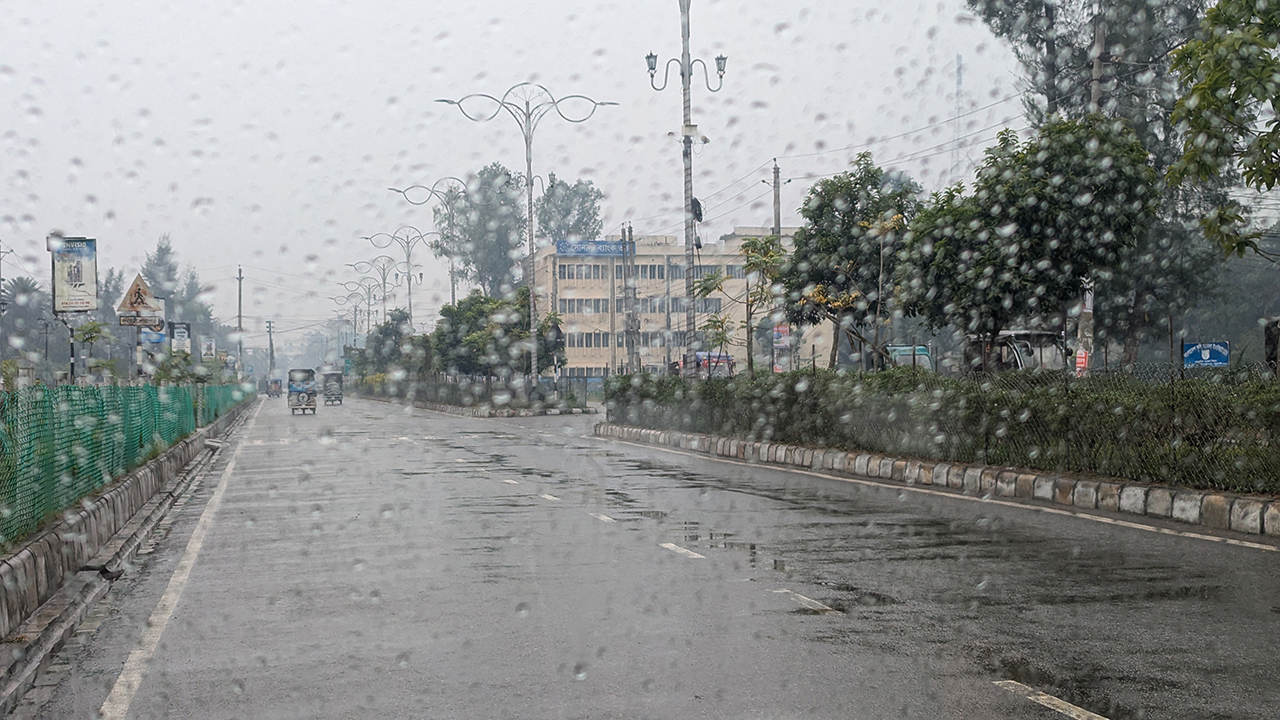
(487, 228)
(1231, 72)
(1044, 216)
(842, 266)
(568, 212)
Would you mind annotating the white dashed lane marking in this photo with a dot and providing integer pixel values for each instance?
(682, 551)
(545, 496)
(511, 482)
(1049, 701)
(603, 518)
(808, 602)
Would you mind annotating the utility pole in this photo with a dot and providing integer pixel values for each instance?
(955, 137)
(629, 290)
(239, 320)
(271, 349)
(1084, 328)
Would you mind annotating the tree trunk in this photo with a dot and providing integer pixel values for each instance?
(751, 336)
(1130, 356)
(1050, 61)
(835, 344)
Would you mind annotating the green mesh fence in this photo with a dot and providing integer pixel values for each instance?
(59, 445)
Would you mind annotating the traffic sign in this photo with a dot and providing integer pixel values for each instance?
(1206, 354)
(139, 298)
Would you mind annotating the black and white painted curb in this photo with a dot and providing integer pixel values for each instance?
(1220, 511)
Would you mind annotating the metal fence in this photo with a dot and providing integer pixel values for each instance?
(1208, 430)
(58, 445)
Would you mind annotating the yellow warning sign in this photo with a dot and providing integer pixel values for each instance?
(139, 298)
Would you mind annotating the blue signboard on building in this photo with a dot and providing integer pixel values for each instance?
(590, 248)
(1206, 354)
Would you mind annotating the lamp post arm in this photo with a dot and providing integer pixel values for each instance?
(706, 75)
(666, 73)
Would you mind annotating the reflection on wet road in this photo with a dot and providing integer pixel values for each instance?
(373, 561)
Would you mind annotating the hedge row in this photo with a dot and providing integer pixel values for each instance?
(1202, 433)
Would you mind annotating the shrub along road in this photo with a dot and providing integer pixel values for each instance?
(377, 561)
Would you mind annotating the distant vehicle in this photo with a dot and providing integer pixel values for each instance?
(1020, 350)
(302, 391)
(910, 356)
(275, 387)
(332, 388)
(713, 364)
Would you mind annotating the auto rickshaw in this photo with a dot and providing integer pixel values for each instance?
(302, 391)
(275, 388)
(332, 388)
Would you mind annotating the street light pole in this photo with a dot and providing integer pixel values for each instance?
(408, 238)
(527, 103)
(687, 132)
(446, 240)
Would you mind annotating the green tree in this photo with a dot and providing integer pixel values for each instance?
(1045, 215)
(384, 346)
(486, 335)
(762, 263)
(488, 226)
(1230, 74)
(842, 265)
(568, 212)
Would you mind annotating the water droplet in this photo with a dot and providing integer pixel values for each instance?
(522, 610)
(580, 671)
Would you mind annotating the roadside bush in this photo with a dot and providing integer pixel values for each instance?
(1203, 433)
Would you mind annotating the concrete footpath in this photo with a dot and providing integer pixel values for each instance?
(1213, 510)
(48, 585)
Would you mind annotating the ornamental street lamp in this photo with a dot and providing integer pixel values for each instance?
(527, 103)
(447, 240)
(381, 268)
(408, 238)
(367, 288)
(687, 133)
(353, 300)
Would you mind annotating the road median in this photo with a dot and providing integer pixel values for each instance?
(1247, 515)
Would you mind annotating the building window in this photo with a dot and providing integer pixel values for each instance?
(701, 271)
(735, 272)
(675, 272)
(617, 272)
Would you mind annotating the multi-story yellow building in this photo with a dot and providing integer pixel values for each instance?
(583, 283)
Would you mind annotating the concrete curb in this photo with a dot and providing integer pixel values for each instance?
(482, 412)
(51, 581)
(1219, 511)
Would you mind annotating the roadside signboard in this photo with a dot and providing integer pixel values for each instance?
(139, 299)
(1206, 354)
(75, 273)
(208, 350)
(590, 248)
(154, 323)
(181, 333)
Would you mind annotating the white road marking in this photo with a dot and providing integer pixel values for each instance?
(545, 496)
(683, 551)
(603, 518)
(1049, 701)
(511, 482)
(968, 498)
(127, 683)
(808, 602)
(459, 460)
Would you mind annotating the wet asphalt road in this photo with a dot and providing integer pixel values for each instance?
(373, 561)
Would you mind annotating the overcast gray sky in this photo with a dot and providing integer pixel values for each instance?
(267, 133)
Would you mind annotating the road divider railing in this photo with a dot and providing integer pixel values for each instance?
(60, 445)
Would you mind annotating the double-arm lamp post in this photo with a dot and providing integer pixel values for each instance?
(409, 238)
(528, 103)
(448, 191)
(687, 132)
(365, 289)
(381, 270)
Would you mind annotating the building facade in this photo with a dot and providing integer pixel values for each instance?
(585, 284)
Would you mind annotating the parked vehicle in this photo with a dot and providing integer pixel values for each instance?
(910, 356)
(332, 388)
(1020, 350)
(275, 387)
(302, 391)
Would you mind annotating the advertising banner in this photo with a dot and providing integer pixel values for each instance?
(590, 248)
(208, 350)
(75, 273)
(181, 337)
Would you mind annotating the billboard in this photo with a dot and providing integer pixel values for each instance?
(75, 273)
(181, 333)
(590, 248)
(208, 350)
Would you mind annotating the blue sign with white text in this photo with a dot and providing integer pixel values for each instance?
(590, 248)
(1206, 354)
